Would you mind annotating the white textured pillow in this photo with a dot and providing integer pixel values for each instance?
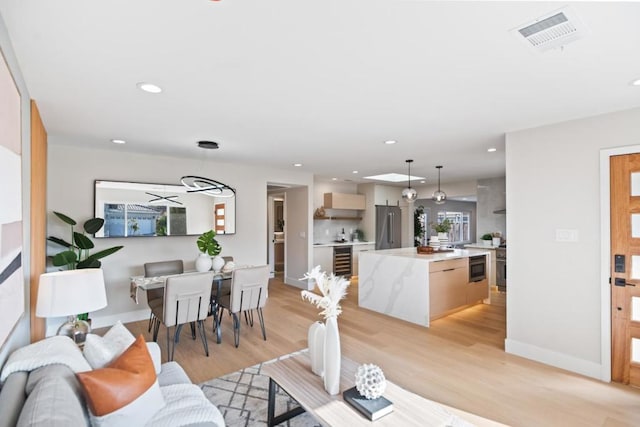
(100, 351)
(136, 413)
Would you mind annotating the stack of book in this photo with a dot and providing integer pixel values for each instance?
(370, 408)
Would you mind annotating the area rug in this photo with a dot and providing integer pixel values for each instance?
(243, 396)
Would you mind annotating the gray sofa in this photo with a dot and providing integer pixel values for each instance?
(51, 396)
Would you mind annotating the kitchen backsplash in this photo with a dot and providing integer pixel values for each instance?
(326, 231)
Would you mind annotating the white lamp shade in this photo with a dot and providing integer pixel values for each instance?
(71, 292)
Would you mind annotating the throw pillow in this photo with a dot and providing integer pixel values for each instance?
(100, 351)
(126, 392)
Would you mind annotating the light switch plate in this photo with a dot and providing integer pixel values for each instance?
(566, 235)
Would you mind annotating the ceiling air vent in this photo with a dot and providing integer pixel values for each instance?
(555, 29)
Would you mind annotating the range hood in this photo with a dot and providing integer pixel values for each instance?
(500, 211)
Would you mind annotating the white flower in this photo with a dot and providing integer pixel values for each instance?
(333, 288)
(370, 381)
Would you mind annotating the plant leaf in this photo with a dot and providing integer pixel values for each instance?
(82, 241)
(65, 218)
(89, 263)
(65, 258)
(104, 253)
(59, 241)
(92, 225)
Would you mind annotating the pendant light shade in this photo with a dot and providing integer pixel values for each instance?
(439, 196)
(409, 194)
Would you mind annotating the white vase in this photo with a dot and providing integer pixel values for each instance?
(203, 262)
(315, 341)
(218, 263)
(497, 241)
(332, 356)
(486, 242)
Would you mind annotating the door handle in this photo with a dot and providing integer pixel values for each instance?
(620, 281)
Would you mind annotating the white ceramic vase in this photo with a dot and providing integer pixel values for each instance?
(218, 263)
(315, 340)
(443, 237)
(497, 241)
(332, 356)
(203, 262)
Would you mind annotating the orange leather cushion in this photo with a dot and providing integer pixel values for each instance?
(121, 382)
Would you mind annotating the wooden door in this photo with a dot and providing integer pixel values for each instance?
(625, 269)
(218, 218)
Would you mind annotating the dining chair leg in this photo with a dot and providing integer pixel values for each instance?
(261, 317)
(236, 329)
(169, 352)
(193, 330)
(156, 329)
(151, 317)
(203, 335)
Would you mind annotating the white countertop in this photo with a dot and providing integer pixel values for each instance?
(435, 256)
(480, 246)
(325, 245)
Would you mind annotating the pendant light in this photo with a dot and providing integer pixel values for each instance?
(439, 196)
(409, 194)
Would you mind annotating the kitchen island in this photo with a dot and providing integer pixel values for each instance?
(418, 288)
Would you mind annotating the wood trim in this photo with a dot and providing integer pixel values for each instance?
(38, 217)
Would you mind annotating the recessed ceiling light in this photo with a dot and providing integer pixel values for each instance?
(118, 141)
(635, 82)
(298, 165)
(149, 87)
(390, 142)
(492, 150)
(354, 172)
(423, 182)
(334, 179)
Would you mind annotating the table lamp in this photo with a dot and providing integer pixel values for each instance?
(69, 293)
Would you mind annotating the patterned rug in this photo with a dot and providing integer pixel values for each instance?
(242, 397)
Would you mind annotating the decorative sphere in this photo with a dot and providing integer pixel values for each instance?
(409, 194)
(370, 381)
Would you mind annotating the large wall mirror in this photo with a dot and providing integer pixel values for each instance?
(133, 209)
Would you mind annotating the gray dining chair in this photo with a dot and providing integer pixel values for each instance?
(249, 291)
(155, 269)
(186, 300)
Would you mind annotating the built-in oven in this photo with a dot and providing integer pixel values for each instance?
(501, 269)
(477, 268)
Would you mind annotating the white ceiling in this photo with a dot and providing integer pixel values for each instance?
(322, 83)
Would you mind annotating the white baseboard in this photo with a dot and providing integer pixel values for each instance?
(559, 360)
(126, 317)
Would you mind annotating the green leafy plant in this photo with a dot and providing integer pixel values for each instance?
(487, 236)
(207, 243)
(78, 251)
(359, 234)
(443, 227)
(418, 226)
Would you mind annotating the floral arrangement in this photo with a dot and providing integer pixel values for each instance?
(370, 381)
(333, 288)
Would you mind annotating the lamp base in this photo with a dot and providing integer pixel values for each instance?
(75, 329)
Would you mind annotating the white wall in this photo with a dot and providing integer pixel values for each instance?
(20, 335)
(554, 301)
(72, 171)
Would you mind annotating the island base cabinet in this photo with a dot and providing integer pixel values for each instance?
(447, 290)
(477, 291)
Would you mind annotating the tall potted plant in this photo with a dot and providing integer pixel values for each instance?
(78, 251)
(209, 247)
(442, 228)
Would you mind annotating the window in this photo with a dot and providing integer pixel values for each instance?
(460, 225)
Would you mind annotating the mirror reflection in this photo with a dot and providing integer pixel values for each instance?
(133, 209)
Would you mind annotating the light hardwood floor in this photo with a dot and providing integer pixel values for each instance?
(459, 361)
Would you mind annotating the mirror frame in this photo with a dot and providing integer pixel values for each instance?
(150, 199)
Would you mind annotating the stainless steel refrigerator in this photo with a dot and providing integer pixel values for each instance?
(388, 227)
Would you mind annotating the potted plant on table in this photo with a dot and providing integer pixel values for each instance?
(209, 247)
(442, 228)
(486, 239)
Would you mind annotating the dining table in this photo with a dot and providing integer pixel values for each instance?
(158, 282)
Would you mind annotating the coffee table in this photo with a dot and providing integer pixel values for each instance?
(294, 376)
